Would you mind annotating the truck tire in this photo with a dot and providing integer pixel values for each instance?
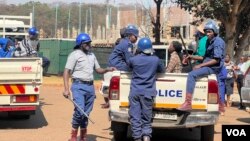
(119, 131)
(207, 133)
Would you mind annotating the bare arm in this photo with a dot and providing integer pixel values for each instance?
(199, 58)
(66, 75)
(102, 71)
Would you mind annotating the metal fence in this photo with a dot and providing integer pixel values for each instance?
(57, 51)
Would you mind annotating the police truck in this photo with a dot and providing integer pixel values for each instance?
(171, 90)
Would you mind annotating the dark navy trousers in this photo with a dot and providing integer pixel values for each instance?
(140, 113)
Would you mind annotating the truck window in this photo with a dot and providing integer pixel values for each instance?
(161, 53)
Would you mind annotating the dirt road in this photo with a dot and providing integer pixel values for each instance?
(52, 120)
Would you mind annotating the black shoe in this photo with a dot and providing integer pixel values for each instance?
(241, 108)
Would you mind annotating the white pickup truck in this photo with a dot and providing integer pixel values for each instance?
(171, 90)
(20, 81)
(245, 92)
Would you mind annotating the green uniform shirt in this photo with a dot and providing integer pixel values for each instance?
(201, 50)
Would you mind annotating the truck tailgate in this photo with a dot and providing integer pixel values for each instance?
(171, 90)
(20, 70)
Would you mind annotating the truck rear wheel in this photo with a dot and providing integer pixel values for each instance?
(119, 131)
(207, 133)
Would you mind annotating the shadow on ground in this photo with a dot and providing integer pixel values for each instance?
(245, 120)
(92, 137)
(172, 134)
(35, 121)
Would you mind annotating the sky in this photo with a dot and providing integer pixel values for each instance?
(69, 1)
(146, 3)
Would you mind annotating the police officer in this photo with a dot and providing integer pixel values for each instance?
(143, 89)
(7, 48)
(213, 61)
(201, 50)
(122, 35)
(80, 64)
(124, 50)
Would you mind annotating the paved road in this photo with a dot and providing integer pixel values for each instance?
(52, 121)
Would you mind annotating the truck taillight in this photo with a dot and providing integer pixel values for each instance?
(25, 99)
(36, 89)
(213, 92)
(114, 88)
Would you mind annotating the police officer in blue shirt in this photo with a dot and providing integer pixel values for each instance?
(143, 89)
(80, 65)
(213, 62)
(124, 50)
(7, 48)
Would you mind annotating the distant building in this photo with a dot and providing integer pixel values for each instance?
(173, 20)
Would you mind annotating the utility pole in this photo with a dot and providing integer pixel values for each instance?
(56, 20)
(110, 15)
(90, 13)
(90, 21)
(86, 22)
(33, 14)
(69, 23)
(80, 17)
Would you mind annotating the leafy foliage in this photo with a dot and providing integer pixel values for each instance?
(234, 16)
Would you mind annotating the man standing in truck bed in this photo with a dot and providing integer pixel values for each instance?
(143, 89)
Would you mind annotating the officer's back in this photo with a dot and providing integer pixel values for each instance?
(144, 67)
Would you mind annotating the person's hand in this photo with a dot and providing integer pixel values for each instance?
(110, 69)
(184, 61)
(197, 67)
(66, 94)
(189, 57)
(235, 67)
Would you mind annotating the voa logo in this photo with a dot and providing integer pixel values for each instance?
(236, 132)
(169, 93)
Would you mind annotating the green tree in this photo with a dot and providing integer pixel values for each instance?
(234, 16)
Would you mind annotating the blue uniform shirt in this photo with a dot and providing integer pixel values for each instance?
(121, 54)
(215, 49)
(144, 68)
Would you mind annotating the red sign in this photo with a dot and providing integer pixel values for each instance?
(26, 68)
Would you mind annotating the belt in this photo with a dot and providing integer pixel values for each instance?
(82, 82)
